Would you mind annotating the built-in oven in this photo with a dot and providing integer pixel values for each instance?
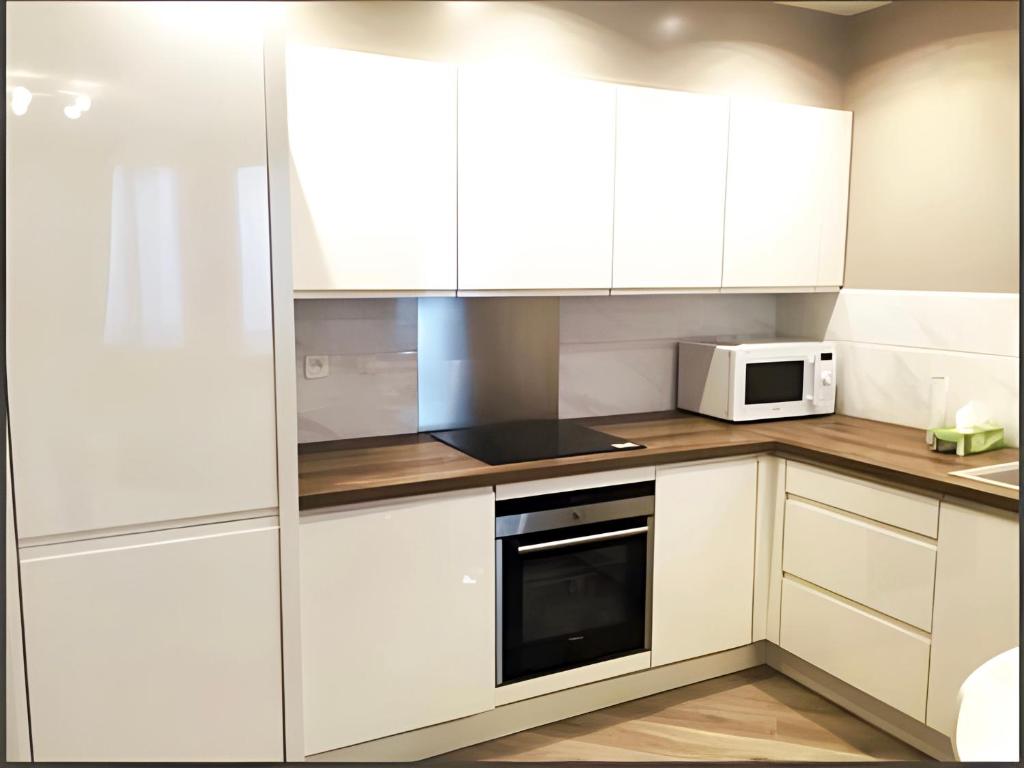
(573, 578)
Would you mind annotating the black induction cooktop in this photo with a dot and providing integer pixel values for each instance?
(531, 440)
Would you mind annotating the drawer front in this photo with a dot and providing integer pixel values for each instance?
(878, 657)
(880, 568)
(910, 511)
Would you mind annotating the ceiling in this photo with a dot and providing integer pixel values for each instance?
(839, 7)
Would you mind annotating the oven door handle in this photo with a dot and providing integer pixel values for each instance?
(582, 539)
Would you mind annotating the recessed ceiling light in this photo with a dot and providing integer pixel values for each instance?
(838, 7)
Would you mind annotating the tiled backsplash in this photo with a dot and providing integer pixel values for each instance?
(618, 353)
(891, 343)
(371, 349)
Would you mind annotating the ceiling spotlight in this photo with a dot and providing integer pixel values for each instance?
(72, 112)
(670, 26)
(83, 102)
(21, 97)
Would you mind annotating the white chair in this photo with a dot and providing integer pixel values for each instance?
(988, 712)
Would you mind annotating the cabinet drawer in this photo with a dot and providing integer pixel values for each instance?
(885, 570)
(910, 511)
(880, 658)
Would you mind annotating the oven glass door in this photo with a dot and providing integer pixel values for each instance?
(573, 596)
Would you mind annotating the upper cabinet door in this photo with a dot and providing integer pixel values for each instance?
(536, 175)
(372, 144)
(786, 195)
(670, 155)
(140, 354)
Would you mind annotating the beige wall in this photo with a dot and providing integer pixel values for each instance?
(737, 48)
(934, 182)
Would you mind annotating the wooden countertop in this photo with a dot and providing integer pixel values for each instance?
(366, 469)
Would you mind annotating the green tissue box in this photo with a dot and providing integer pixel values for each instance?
(964, 442)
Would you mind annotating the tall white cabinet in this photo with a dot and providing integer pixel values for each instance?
(140, 364)
(670, 160)
(372, 158)
(786, 198)
(536, 176)
(139, 347)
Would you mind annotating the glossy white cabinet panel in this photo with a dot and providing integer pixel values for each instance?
(372, 146)
(397, 616)
(157, 646)
(977, 601)
(670, 154)
(18, 748)
(574, 482)
(703, 559)
(878, 567)
(786, 195)
(880, 657)
(892, 506)
(140, 354)
(536, 172)
(571, 678)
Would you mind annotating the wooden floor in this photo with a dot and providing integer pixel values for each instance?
(753, 715)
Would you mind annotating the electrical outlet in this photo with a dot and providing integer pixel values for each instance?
(317, 366)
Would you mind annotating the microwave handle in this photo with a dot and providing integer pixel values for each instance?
(581, 539)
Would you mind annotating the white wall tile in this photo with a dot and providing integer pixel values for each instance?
(986, 323)
(892, 342)
(371, 388)
(364, 395)
(601, 379)
(618, 353)
(887, 383)
(672, 316)
(354, 326)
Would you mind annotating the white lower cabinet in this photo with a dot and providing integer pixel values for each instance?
(397, 604)
(878, 656)
(977, 601)
(703, 559)
(884, 569)
(156, 647)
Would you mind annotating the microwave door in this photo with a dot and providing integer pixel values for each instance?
(771, 382)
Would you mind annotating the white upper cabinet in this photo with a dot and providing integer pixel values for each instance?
(536, 176)
(372, 143)
(786, 195)
(140, 354)
(670, 160)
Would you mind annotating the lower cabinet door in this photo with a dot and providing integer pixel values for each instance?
(977, 601)
(703, 559)
(878, 656)
(397, 616)
(157, 646)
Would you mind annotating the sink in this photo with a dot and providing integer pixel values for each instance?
(1003, 475)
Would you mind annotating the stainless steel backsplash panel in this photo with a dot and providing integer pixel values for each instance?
(487, 360)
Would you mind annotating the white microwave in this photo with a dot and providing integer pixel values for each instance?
(744, 380)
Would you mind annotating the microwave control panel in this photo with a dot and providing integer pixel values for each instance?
(824, 379)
